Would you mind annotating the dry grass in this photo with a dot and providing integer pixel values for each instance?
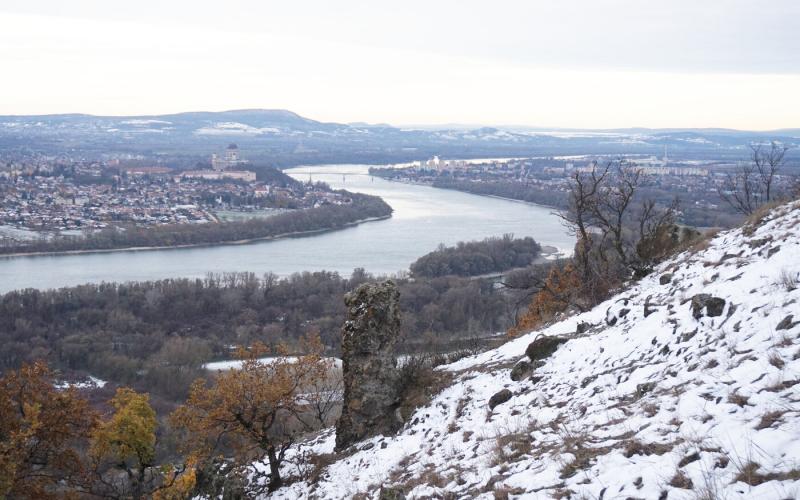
(636, 447)
(782, 386)
(429, 477)
(749, 474)
(681, 480)
(511, 448)
(776, 360)
(768, 419)
(503, 492)
(703, 242)
(579, 445)
(318, 465)
(757, 218)
(737, 399)
(784, 341)
(419, 383)
(788, 280)
(650, 409)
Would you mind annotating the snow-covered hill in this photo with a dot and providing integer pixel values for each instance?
(264, 130)
(657, 400)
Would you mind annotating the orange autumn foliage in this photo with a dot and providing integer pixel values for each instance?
(558, 292)
(255, 410)
(42, 433)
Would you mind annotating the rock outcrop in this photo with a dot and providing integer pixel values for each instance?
(371, 377)
(543, 347)
(499, 398)
(713, 306)
(521, 370)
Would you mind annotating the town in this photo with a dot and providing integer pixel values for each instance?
(545, 180)
(55, 194)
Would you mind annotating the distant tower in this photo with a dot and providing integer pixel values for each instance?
(229, 159)
(666, 160)
(232, 154)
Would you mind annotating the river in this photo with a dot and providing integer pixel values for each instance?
(423, 217)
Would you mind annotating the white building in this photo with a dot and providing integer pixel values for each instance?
(230, 159)
(243, 175)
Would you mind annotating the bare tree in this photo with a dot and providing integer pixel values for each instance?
(767, 164)
(612, 210)
(617, 234)
(654, 228)
(579, 217)
(753, 184)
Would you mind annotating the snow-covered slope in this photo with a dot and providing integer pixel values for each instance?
(656, 406)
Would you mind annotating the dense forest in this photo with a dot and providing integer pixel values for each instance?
(155, 336)
(312, 219)
(475, 258)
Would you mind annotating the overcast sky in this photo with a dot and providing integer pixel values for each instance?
(565, 63)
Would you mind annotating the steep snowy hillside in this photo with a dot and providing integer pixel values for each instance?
(669, 394)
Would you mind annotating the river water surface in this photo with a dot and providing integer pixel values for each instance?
(423, 217)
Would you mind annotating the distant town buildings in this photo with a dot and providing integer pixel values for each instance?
(214, 175)
(59, 195)
(440, 165)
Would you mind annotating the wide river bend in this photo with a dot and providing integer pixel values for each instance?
(423, 217)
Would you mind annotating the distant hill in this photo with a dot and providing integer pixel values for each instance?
(286, 138)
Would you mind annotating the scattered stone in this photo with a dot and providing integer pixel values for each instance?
(688, 335)
(642, 389)
(368, 446)
(693, 457)
(617, 311)
(787, 323)
(543, 347)
(713, 305)
(499, 398)
(521, 370)
(588, 380)
(371, 377)
(648, 310)
(583, 327)
(759, 242)
(665, 279)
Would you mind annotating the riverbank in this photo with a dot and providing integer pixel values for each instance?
(423, 218)
(294, 234)
(450, 188)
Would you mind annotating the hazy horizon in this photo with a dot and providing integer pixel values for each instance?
(576, 64)
(421, 126)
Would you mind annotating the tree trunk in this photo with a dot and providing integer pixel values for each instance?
(275, 480)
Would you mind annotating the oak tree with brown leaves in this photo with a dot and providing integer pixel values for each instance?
(43, 434)
(256, 411)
